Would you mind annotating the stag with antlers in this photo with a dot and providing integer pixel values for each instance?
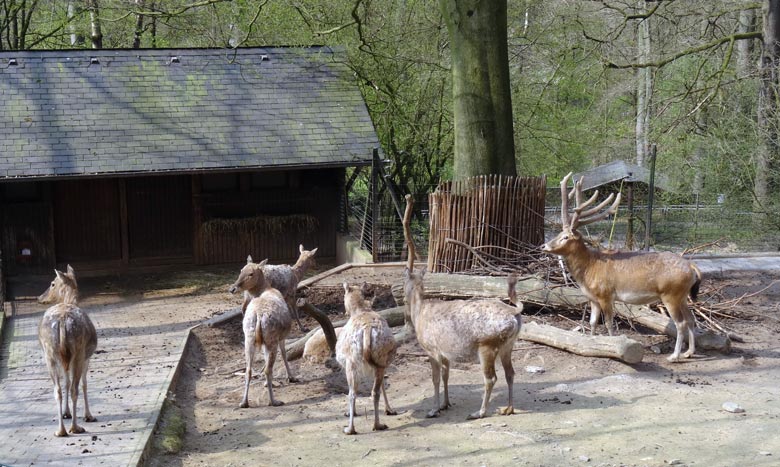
(637, 278)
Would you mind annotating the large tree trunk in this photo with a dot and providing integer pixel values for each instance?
(767, 156)
(747, 23)
(96, 34)
(484, 138)
(643, 92)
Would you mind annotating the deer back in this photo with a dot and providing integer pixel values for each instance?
(275, 321)
(65, 333)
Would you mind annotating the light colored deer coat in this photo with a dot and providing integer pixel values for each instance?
(266, 324)
(68, 339)
(461, 330)
(638, 278)
(285, 278)
(365, 346)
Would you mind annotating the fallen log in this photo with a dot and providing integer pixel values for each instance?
(530, 289)
(618, 347)
(705, 339)
(394, 317)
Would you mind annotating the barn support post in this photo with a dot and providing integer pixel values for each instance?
(197, 219)
(375, 206)
(124, 261)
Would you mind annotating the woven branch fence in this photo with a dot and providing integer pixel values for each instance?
(485, 217)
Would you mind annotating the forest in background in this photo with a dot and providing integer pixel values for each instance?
(591, 81)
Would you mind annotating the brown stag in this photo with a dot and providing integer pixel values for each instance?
(637, 278)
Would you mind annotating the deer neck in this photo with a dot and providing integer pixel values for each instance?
(69, 296)
(415, 302)
(299, 268)
(579, 260)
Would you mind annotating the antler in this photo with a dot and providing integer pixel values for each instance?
(581, 215)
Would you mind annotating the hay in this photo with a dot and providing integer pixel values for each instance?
(260, 225)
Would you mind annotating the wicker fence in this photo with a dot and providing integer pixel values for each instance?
(486, 217)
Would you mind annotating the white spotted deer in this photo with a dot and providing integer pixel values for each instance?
(68, 339)
(637, 278)
(460, 330)
(365, 346)
(285, 278)
(266, 324)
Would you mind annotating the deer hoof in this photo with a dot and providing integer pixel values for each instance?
(293, 379)
(66, 415)
(475, 416)
(89, 418)
(276, 403)
(391, 412)
(350, 430)
(380, 427)
(506, 410)
(243, 405)
(61, 432)
(76, 429)
(674, 358)
(433, 413)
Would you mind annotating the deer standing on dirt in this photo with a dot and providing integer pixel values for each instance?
(638, 278)
(365, 346)
(68, 339)
(460, 330)
(266, 324)
(285, 278)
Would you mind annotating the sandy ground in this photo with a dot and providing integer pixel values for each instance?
(578, 411)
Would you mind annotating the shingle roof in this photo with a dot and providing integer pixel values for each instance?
(620, 170)
(99, 112)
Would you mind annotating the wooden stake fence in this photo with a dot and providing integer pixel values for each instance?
(494, 214)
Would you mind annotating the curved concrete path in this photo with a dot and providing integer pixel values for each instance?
(140, 344)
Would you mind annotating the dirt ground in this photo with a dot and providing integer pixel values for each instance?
(577, 411)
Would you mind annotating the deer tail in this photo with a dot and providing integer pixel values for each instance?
(62, 345)
(694, 293)
(259, 331)
(367, 355)
(511, 283)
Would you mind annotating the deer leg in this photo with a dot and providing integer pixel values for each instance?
(352, 383)
(249, 356)
(294, 312)
(445, 379)
(55, 377)
(435, 376)
(66, 410)
(509, 373)
(87, 414)
(595, 314)
(388, 410)
(609, 315)
(379, 383)
(270, 357)
(487, 357)
(283, 351)
(76, 366)
(691, 325)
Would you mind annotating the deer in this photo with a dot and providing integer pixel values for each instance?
(637, 278)
(285, 278)
(459, 331)
(365, 346)
(266, 324)
(68, 339)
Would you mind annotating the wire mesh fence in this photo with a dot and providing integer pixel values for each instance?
(707, 228)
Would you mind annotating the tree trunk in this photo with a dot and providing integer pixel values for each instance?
(96, 35)
(484, 138)
(619, 347)
(76, 39)
(644, 92)
(747, 23)
(139, 25)
(767, 155)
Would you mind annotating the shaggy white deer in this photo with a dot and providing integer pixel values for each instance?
(638, 278)
(266, 324)
(68, 339)
(285, 278)
(460, 330)
(365, 346)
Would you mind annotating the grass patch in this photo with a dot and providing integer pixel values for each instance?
(170, 432)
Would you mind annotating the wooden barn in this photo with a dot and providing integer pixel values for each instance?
(113, 160)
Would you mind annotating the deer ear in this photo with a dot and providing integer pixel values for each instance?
(313, 251)
(59, 274)
(423, 271)
(262, 263)
(300, 248)
(249, 259)
(346, 287)
(71, 272)
(406, 272)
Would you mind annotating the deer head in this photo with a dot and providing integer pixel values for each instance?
(583, 214)
(63, 289)
(305, 258)
(354, 299)
(251, 277)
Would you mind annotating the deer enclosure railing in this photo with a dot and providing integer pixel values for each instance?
(485, 220)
